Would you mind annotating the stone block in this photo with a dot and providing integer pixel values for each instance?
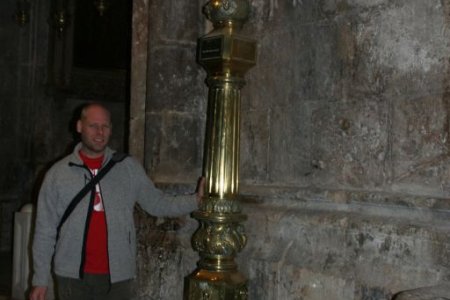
(276, 280)
(419, 145)
(164, 255)
(174, 22)
(152, 142)
(345, 254)
(289, 144)
(254, 151)
(175, 81)
(400, 50)
(350, 143)
(176, 144)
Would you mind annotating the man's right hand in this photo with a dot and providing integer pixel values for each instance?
(38, 293)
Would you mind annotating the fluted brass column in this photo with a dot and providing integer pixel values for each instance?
(226, 56)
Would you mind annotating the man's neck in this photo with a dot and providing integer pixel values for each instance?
(92, 163)
(91, 154)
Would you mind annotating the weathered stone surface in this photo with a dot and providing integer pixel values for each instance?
(351, 146)
(173, 153)
(175, 102)
(165, 256)
(341, 253)
(138, 87)
(344, 158)
(175, 81)
(301, 245)
(357, 74)
(174, 21)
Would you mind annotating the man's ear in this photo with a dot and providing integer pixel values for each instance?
(79, 126)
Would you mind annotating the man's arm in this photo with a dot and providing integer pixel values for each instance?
(160, 204)
(44, 237)
(38, 293)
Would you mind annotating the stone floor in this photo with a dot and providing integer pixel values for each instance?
(5, 275)
(441, 292)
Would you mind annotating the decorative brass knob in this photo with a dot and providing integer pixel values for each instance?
(221, 12)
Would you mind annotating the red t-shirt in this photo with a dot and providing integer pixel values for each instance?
(96, 259)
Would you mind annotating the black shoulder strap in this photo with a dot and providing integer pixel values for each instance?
(117, 157)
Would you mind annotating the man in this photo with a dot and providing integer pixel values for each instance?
(93, 251)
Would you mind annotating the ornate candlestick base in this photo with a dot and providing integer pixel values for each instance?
(208, 285)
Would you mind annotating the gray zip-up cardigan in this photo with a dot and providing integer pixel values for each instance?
(124, 185)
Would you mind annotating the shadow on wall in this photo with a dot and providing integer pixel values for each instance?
(439, 292)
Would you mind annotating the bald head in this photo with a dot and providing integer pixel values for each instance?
(95, 106)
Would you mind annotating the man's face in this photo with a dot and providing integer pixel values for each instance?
(95, 130)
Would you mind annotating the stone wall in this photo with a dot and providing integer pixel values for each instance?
(175, 93)
(348, 146)
(166, 133)
(23, 63)
(344, 146)
(361, 87)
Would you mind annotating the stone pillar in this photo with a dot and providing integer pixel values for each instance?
(138, 84)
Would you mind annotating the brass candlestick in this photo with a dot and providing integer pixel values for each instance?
(226, 56)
